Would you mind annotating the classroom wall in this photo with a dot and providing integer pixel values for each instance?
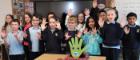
(5, 8)
(126, 6)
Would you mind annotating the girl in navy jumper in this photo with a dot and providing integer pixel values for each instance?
(111, 33)
(53, 36)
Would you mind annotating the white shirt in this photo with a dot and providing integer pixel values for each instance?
(33, 37)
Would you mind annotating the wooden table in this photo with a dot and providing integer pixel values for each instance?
(63, 56)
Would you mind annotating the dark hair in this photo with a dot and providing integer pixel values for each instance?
(16, 20)
(131, 14)
(30, 16)
(35, 15)
(5, 25)
(51, 13)
(53, 18)
(87, 22)
(83, 17)
(102, 11)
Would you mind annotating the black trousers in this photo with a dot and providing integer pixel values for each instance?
(111, 53)
(131, 54)
(34, 55)
(17, 57)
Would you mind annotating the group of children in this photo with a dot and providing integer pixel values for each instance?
(103, 36)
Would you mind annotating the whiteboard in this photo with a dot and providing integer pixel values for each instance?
(126, 6)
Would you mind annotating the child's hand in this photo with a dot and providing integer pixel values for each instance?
(94, 30)
(94, 3)
(79, 34)
(3, 34)
(85, 30)
(44, 21)
(101, 22)
(16, 36)
(43, 24)
(126, 30)
(38, 35)
(25, 35)
(67, 36)
(69, 13)
(58, 26)
(113, 3)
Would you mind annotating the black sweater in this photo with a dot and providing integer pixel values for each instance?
(132, 40)
(111, 33)
(52, 40)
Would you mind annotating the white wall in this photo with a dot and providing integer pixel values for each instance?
(5, 8)
(126, 6)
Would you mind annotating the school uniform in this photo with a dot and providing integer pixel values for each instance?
(52, 39)
(131, 43)
(35, 45)
(16, 51)
(111, 33)
(73, 35)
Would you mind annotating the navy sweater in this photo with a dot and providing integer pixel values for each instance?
(132, 40)
(52, 40)
(111, 33)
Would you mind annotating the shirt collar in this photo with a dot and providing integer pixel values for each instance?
(113, 22)
(132, 25)
(17, 32)
(35, 27)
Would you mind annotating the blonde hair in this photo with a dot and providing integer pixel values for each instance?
(72, 18)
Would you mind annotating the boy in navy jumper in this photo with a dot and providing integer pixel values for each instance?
(131, 38)
(111, 33)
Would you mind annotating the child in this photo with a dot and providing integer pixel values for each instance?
(131, 40)
(91, 38)
(5, 30)
(70, 32)
(53, 36)
(26, 26)
(102, 18)
(86, 13)
(14, 41)
(34, 38)
(111, 33)
(81, 22)
(27, 20)
(7, 25)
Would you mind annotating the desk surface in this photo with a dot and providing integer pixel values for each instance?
(62, 56)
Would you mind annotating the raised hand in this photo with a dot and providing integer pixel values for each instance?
(58, 26)
(16, 36)
(94, 3)
(3, 33)
(43, 24)
(113, 4)
(69, 12)
(25, 35)
(67, 36)
(126, 30)
(76, 47)
(85, 30)
(101, 22)
(38, 35)
(79, 34)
